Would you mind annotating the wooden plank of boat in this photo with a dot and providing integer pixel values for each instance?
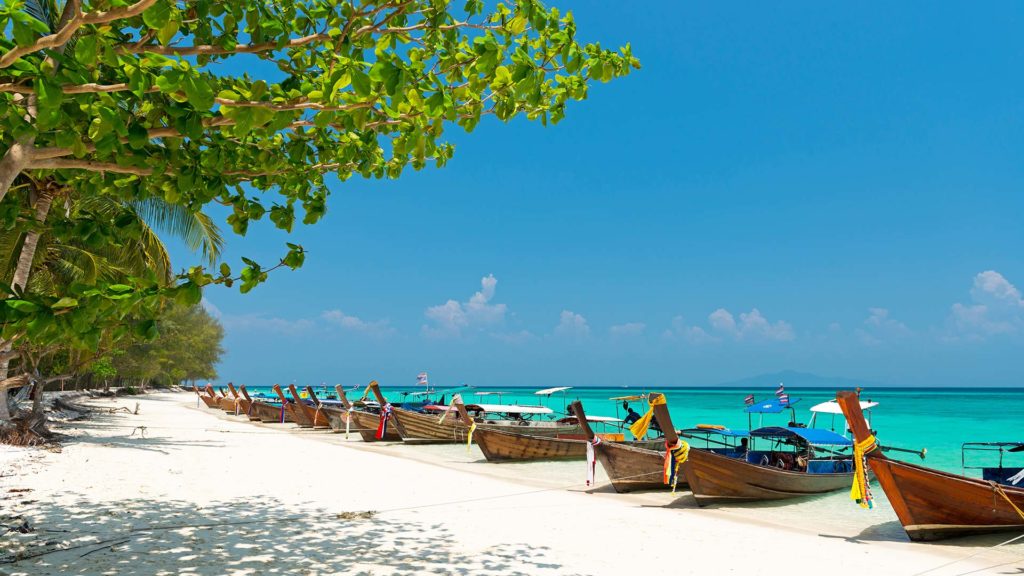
(226, 403)
(500, 445)
(716, 478)
(629, 468)
(328, 412)
(268, 413)
(315, 417)
(365, 422)
(932, 504)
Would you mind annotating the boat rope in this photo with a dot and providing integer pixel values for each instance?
(860, 491)
(348, 420)
(451, 405)
(996, 488)
(675, 455)
(639, 428)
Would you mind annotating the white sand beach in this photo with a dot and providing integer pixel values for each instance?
(201, 492)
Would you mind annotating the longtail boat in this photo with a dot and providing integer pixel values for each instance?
(506, 446)
(728, 473)
(251, 411)
(210, 398)
(227, 403)
(244, 403)
(932, 504)
(364, 418)
(437, 427)
(265, 411)
(306, 416)
(628, 467)
(334, 414)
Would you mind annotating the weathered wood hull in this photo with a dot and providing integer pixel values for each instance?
(714, 478)
(365, 424)
(268, 413)
(427, 428)
(226, 404)
(211, 401)
(307, 416)
(506, 446)
(632, 468)
(933, 505)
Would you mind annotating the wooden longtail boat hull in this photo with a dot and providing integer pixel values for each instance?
(714, 478)
(305, 415)
(211, 402)
(427, 428)
(269, 414)
(505, 446)
(227, 404)
(932, 504)
(631, 468)
(365, 424)
(501, 446)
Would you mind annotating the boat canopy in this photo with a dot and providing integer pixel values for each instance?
(832, 407)
(489, 393)
(716, 432)
(602, 419)
(773, 406)
(814, 436)
(509, 409)
(550, 391)
(436, 392)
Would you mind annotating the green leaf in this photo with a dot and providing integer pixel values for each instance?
(49, 93)
(85, 50)
(360, 83)
(138, 136)
(198, 90)
(168, 30)
(157, 15)
(64, 303)
(22, 305)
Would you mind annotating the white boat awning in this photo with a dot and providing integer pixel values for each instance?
(832, 407)
(510, 408)
(603, 419)
(549, 391)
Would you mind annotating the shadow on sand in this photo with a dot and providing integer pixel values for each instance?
(253, 537)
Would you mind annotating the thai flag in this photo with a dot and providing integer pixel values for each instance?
(784, 398)
(421, 378)
(780, 391)
(749, 400)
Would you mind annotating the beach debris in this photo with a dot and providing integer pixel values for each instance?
(364, 515)
(17, 490)
(22, 528)
(140, 429)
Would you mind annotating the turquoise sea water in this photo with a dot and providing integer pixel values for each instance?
(939, 419)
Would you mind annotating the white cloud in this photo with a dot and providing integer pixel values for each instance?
(996, 307)
(693, 334)
(879, 327)
(572, 325)
(356, 324)
(751, 326)
(627, 329)
(452, 318)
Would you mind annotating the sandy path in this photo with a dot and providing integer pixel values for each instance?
(205, 493)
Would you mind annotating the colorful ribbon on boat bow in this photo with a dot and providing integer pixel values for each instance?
(860, 492)
(451, 406)
(592, 459)
(639, 428)
(469, 435)
(348, 420)
(674, 458)
(385, 415)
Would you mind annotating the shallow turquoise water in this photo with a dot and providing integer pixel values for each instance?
(937, 419)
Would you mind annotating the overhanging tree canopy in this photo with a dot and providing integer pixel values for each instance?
(150, 98)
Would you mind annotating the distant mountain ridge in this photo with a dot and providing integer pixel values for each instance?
(794, 379)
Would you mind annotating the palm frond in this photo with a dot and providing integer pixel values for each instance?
(196, 229)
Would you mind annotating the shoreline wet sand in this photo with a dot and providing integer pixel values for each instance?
(201, 492)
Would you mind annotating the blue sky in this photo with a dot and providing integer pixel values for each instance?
(826, 188)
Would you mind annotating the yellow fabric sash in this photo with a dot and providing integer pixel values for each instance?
(860, 492)
(366, 393)
(639, 428)
(469, 436)
(674, 458)
(450, 406)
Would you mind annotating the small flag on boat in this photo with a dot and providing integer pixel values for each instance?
(749, 400)
(421, 378)
(784, 398)
(781, 390)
